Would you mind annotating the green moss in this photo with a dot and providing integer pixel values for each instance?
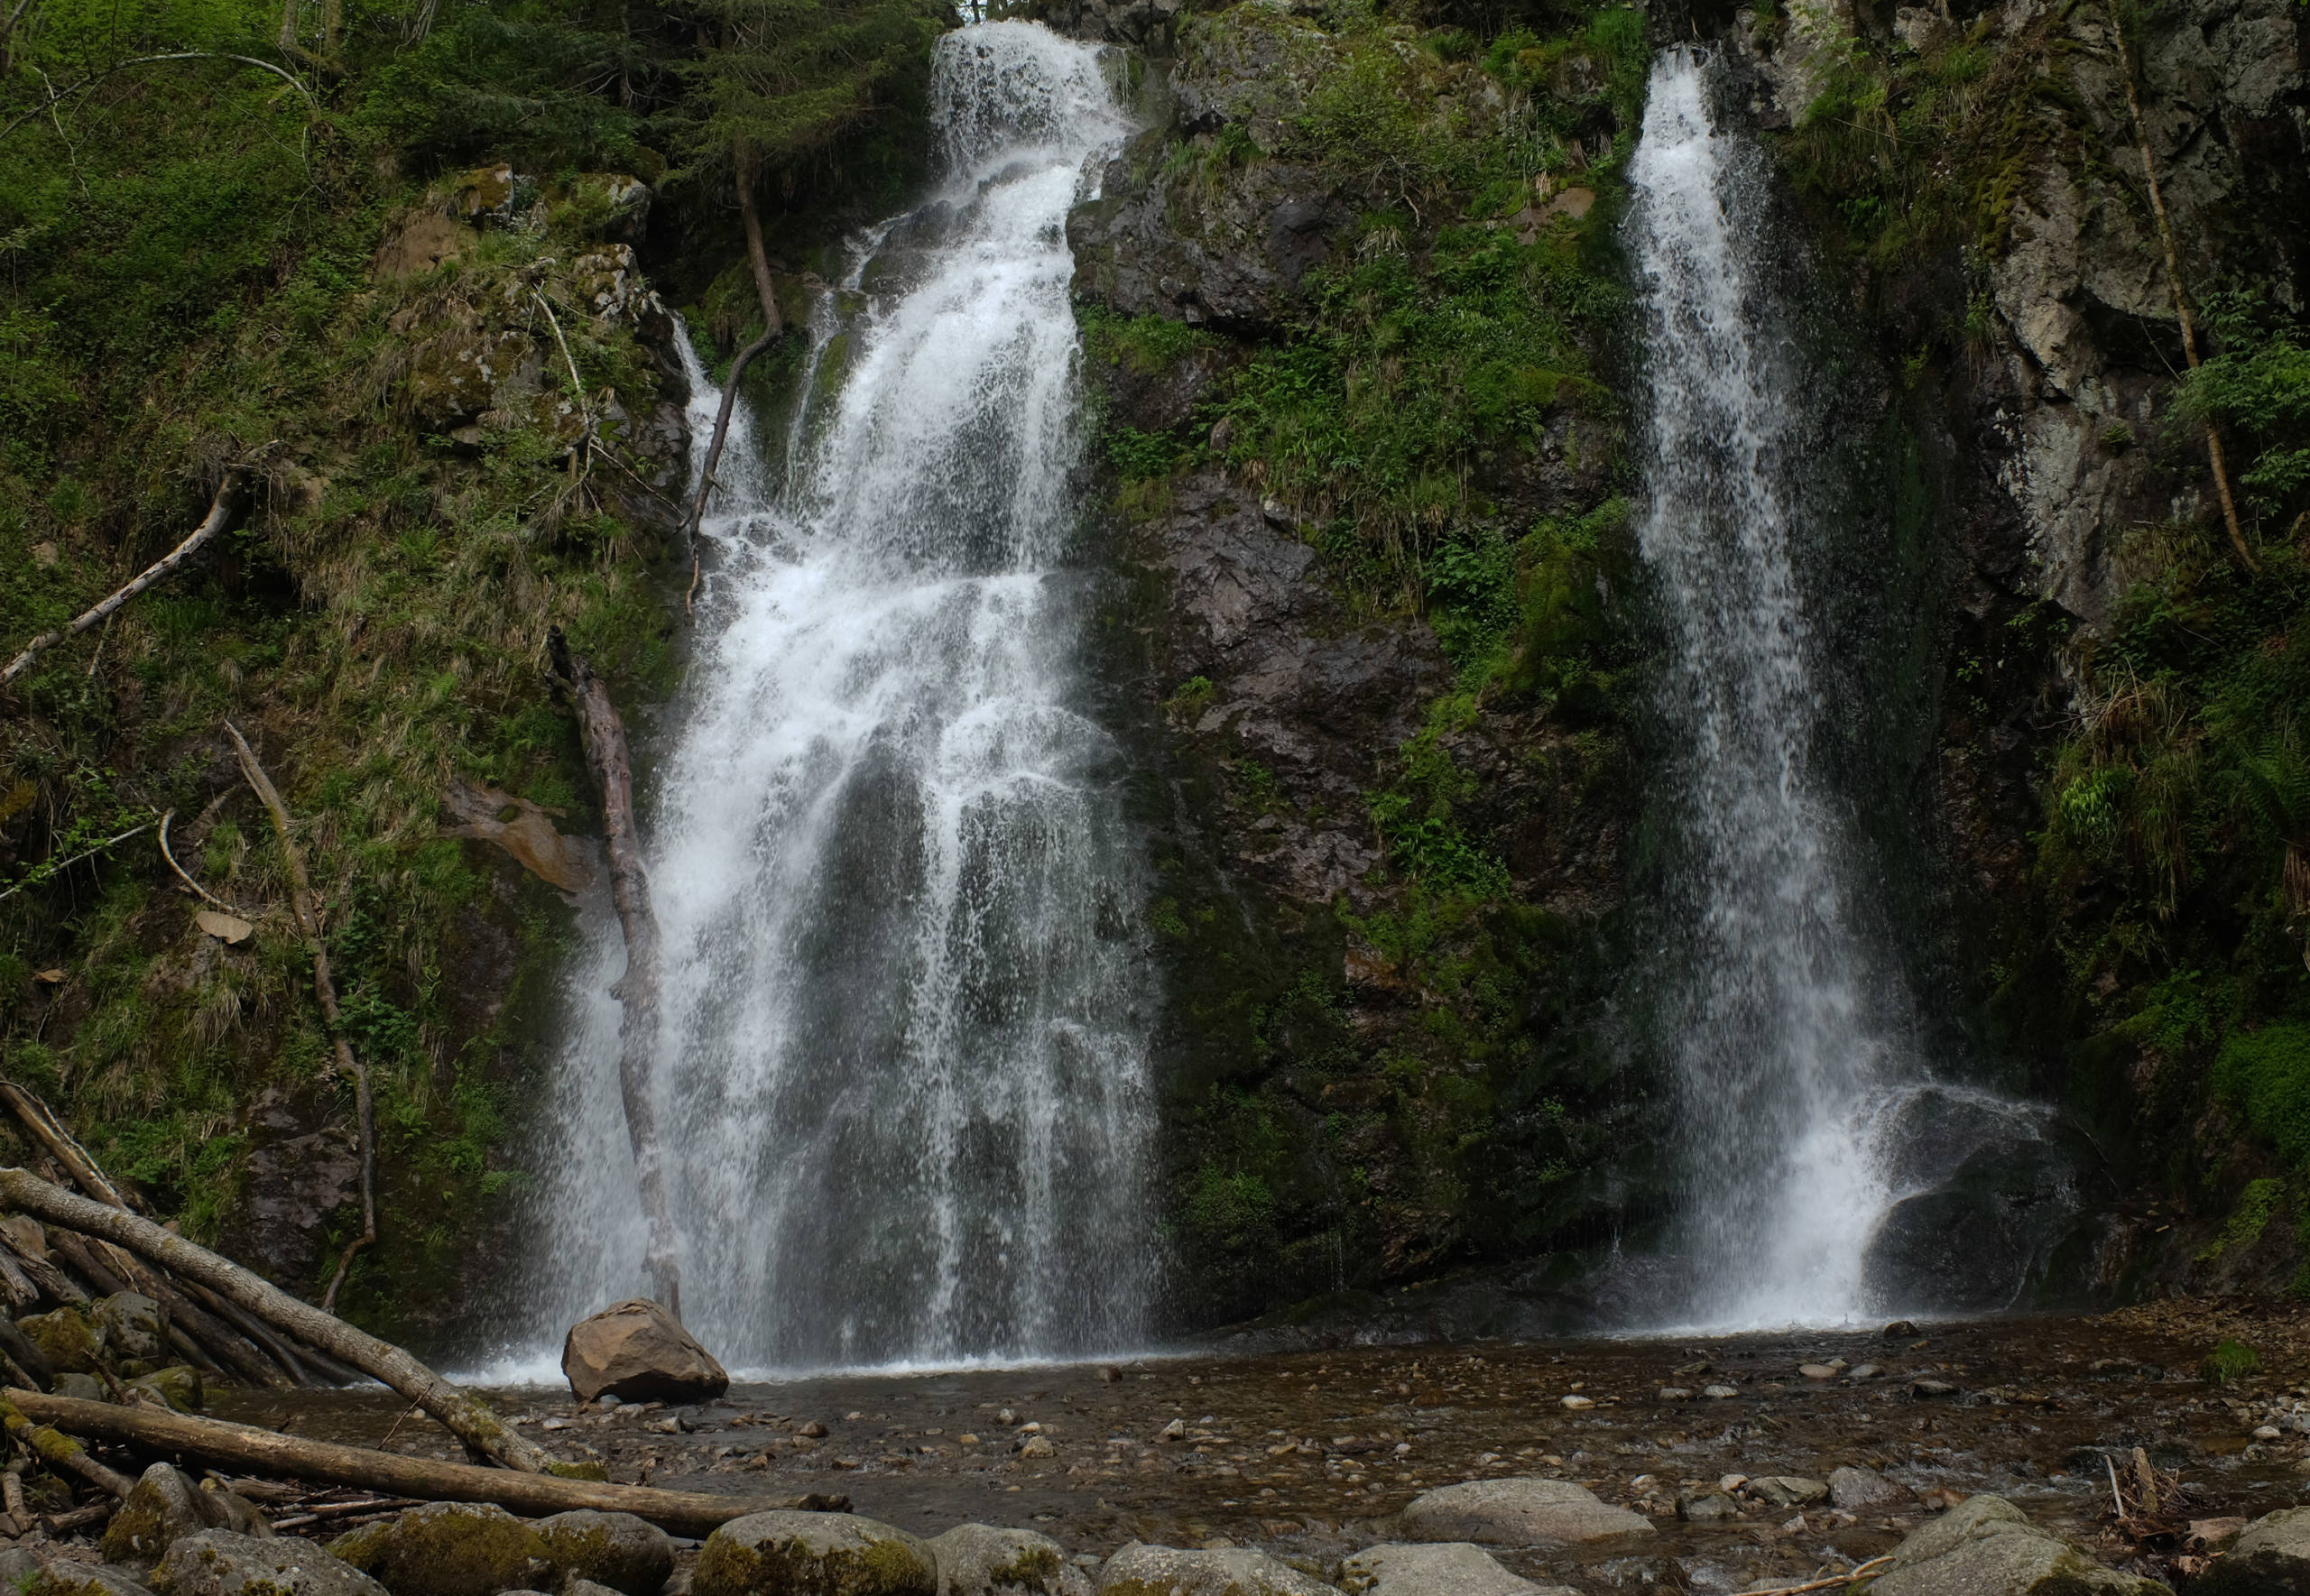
(2248, 1219)
(2229, 1363)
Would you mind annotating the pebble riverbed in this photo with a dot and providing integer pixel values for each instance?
(1310, 1454)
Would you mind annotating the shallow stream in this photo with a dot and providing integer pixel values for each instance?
(1297, 1453)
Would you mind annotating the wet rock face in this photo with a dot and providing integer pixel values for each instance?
(636, 1351)
(301, 1169)
(813, 1554)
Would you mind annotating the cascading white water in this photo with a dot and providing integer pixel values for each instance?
(901, 1068)
(1779, 1017)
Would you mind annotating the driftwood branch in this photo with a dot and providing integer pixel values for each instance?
(309, 920)
(220, 511)
(773, 324)
(195, 886)
(468, 1418)
(2181, 302)
(604, 736)
(265, 1451)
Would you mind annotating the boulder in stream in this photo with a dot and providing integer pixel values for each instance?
(1984, 1546)
(637, 1351)
(1453, 1568)
(448, 1549)
(2270, 1557)
(615, 1549)
(1519, 1513)
(812, 1554)
(219, 1563)
(979, 1560)
(1141, 1570)
(1861, 1490)
(165, 1507)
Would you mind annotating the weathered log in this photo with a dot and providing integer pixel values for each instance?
(309, 920)
(93, 1270)
(267, 1451)
(14, 1284)
(603, 734)
(466, 1417)
(220, 511)
(59, 1451)
(26, 1355)
(54, 1283)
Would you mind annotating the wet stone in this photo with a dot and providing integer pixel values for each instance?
(1453, 1568)
(1859, 1490)
(617, 1550)
(1989, 1547)
(978, 1560)
(813, 1554)
(1519, 1513)
(1140, 1570)
(219, 1563)
(2270, 1557)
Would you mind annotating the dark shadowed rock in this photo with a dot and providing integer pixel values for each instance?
(219, 1563)
(635, 1352)
(301, 1169)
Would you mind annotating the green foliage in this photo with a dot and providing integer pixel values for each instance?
(2256, 1205)
(2258, 389)
(2265, 1074)
(2229, 1363)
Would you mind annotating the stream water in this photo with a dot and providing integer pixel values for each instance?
(901, 1066)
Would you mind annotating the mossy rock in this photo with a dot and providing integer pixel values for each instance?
(813, 1554)
(163, 1509)
(178, 1386)
(132, 1326)
(67, 1339)
(447, 1549)
(615, 1549)
(222, 1563)
(977, 1560)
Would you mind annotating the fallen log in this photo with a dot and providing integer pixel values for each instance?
(603, 735)
(53, 1283)
(220, 511)
(246, 1447)
(465, 1418)
(59, 1451)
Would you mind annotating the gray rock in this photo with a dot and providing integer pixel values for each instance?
(1455, 1568)
(302, 1165)
(448, 1549)
(637, 1351)
(218, 1562)
(134, 1326)
(1140, 1570)
(1985, 1547)
(1786, 1490)
(812, 1554)
(977, 1560)
(2270, 1557)
(1519, 1513)
(81, 1387)
(1705, 1505)
(1856, 1489)
(615, 1549)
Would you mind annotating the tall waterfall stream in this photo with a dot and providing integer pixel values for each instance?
(901, 1067)
(1807, 1115)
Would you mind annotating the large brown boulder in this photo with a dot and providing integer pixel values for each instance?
(637, 1352)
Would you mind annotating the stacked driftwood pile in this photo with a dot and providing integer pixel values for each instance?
(73, 1458)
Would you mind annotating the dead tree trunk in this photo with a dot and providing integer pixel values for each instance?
(2181, 302)
(309, 920)
(220, 511)
(469, 1419)
(266, 1452)
(604, 736)
(772, 324)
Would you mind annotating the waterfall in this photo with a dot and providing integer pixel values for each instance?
(1806, 1115)
(902, 1074)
